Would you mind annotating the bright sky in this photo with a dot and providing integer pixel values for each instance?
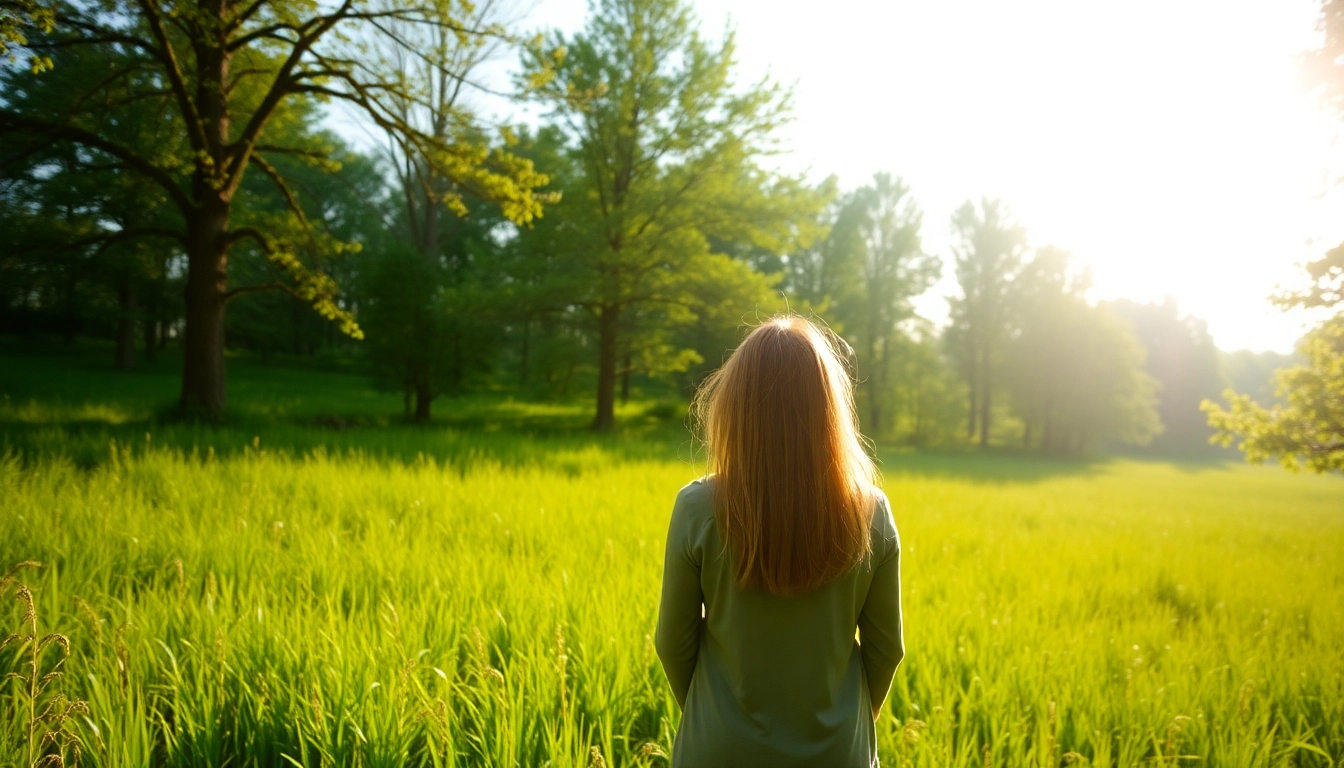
(1168, 145)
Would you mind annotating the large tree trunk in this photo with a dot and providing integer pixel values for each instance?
(608, 328)
(207, 240)
(203, 339)
(126, 325)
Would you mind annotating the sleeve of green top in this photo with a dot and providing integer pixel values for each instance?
(679, 614)
(881, 638)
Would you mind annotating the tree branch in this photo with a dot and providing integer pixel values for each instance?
(279, 182)
(173, 68)
(282, 86)
(274, 286)
(10, 122)
(130, 234)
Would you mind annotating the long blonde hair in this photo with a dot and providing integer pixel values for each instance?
(793, 486)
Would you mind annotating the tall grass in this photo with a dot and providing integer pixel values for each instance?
(482, 593)
(268, 608)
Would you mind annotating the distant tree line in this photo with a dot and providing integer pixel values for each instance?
(170, 161)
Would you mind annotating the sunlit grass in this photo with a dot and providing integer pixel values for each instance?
(380, 612)
(449, 596)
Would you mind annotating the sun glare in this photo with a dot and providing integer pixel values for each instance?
(1171, 147)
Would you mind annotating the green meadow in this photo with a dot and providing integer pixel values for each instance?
(316, 584)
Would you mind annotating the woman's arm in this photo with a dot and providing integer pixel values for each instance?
(881, 635)
(679, 614)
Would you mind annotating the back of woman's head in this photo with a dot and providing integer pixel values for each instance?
(793, 486)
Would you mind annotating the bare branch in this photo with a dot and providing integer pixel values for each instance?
(274, 286)
(279, 182)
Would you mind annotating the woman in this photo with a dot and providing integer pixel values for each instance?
(773, 560)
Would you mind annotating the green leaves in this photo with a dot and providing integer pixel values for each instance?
(664, 153)
(1307, 431)
(17, 16)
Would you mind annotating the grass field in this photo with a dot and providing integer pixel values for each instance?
(482, 592)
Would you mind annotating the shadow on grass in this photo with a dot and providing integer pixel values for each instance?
(71, 403)
(89, 443)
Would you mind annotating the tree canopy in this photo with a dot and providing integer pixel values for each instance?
(177, 156)
(1305, 429)
(193, 95)
(666, 149)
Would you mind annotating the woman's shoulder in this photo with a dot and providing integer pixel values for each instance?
(693, 513)
(696, 497)
(886, 540)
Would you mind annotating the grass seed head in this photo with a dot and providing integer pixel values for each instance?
(181, 578)
(13, 572)
(95, 623)
(910, 733)
(24, 596)
(122, 654)
(315, 701)
(650, 749)
(59, 639)
(1244, 699)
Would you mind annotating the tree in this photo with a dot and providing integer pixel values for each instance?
(1076, 371)
(1253, 372)
(433, 326)
(893, 269)
(348, 200)
(1186, 364)
(666, 150)
(435, 320)
(1307, 427)
(226, 74)
(70, 215)
(825, 270)
(928, 398)
(549, 333)
(988, 252)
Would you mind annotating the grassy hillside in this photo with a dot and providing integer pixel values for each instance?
(482, 592)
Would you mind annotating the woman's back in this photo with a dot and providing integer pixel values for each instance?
(775, 680)
(776, 561)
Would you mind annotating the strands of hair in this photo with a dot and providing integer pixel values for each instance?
(793, 486)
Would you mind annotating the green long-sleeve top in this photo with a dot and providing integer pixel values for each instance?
(765, 680)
